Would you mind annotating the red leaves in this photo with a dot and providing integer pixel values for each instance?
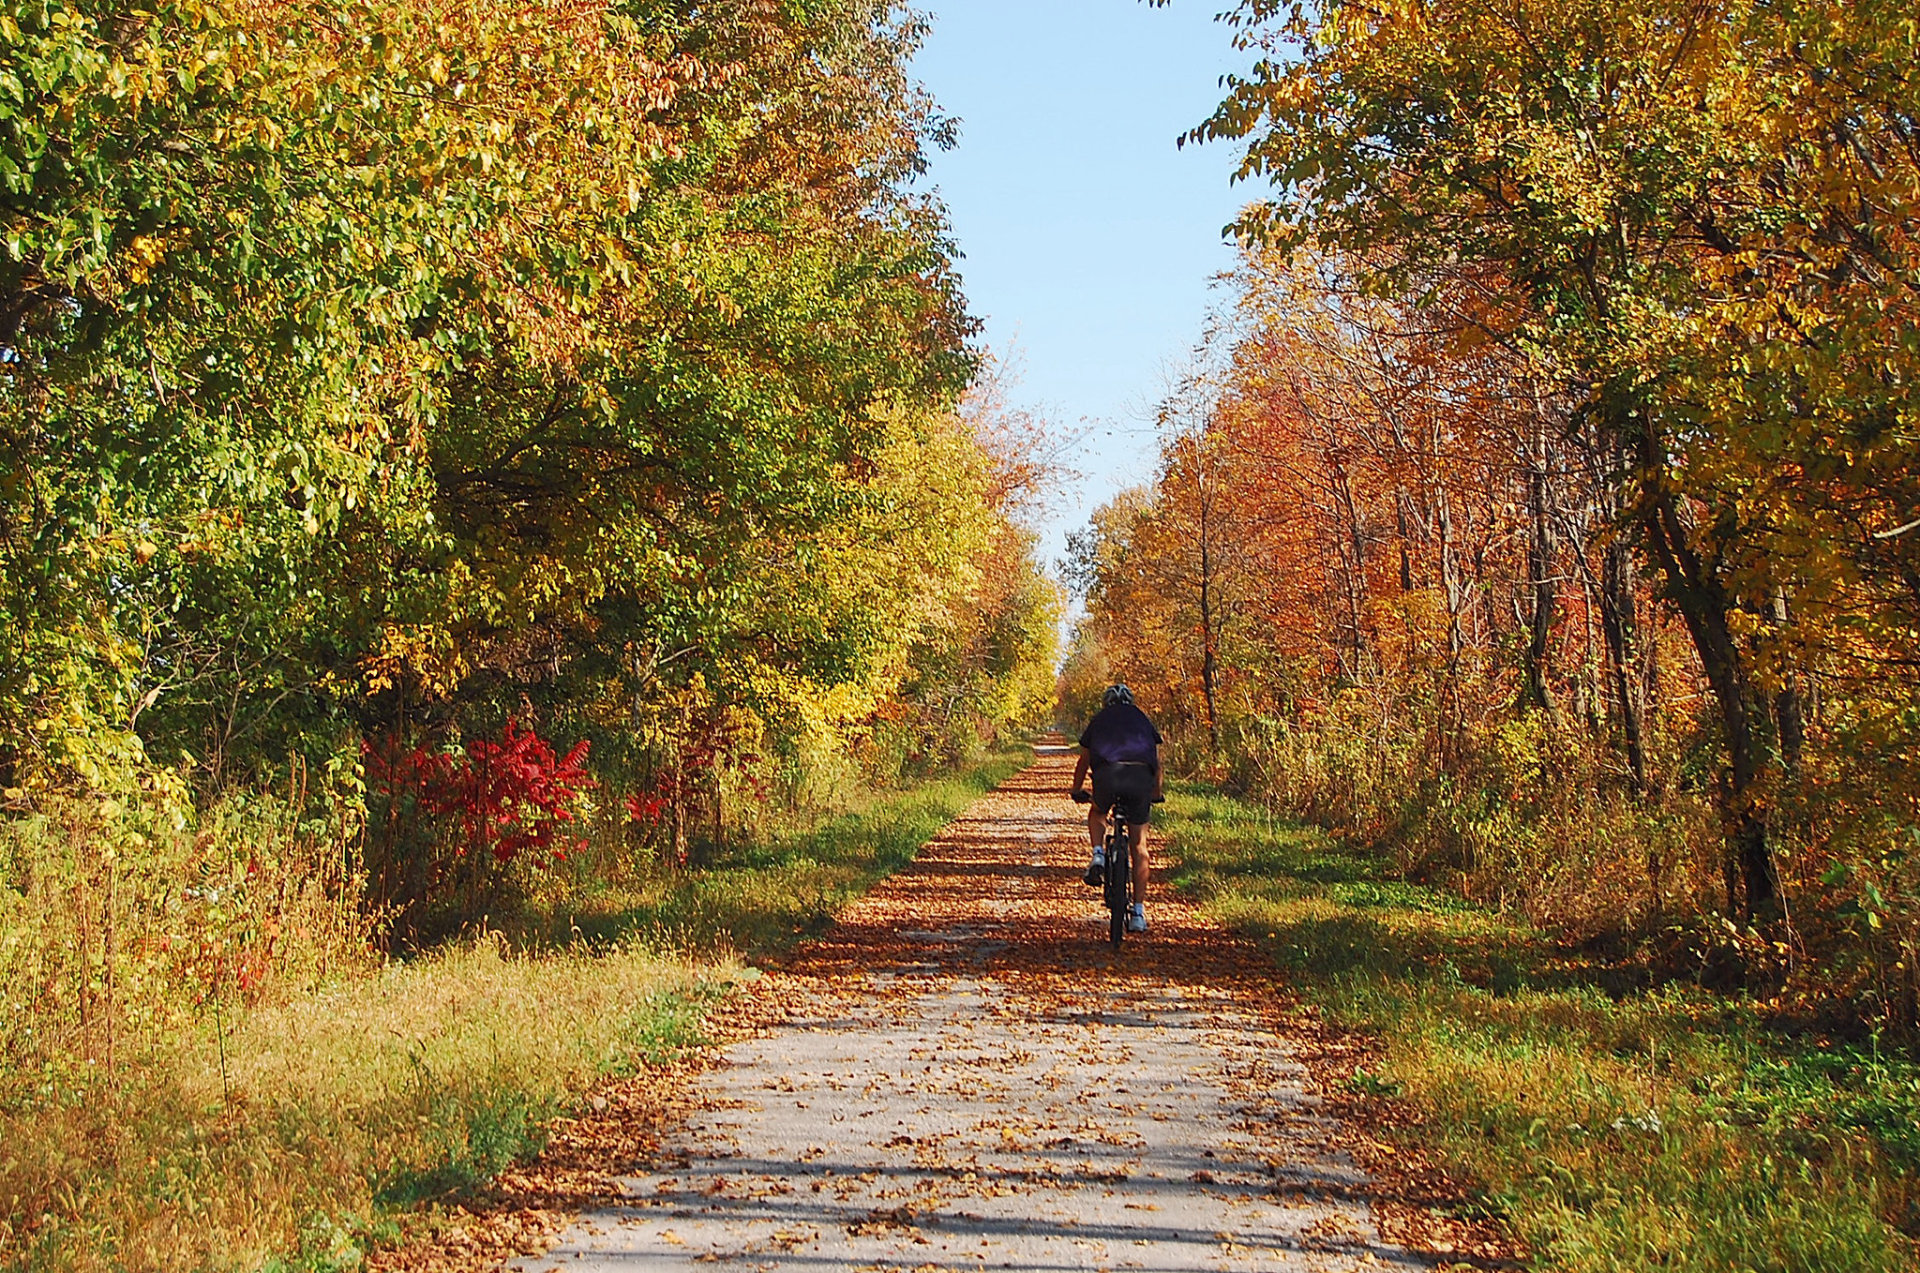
(402, 774)
(645, 808)
(508, 797)
(514, 796)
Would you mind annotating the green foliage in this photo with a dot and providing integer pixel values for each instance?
(375, 376)
(1084, 677)
(350, 382)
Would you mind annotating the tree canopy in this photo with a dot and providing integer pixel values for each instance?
(1569, 330)
(382, 373)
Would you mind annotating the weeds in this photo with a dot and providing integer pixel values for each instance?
(1614, 1128)
(288, 1132)
(764, 897)
(124, 925)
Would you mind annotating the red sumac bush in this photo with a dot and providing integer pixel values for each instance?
(445, 822)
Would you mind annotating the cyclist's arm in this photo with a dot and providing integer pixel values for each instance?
(1080, 770)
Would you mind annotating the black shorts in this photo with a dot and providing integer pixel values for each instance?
(1129, 786)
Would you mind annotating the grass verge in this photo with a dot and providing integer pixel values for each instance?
(289, 1138)
(763, 898)
(293, 1136)
(1667, 1128)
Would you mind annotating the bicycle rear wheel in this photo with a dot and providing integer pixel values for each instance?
(1119, 876)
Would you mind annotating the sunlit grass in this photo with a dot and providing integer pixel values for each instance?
(295, 1130)
(290, 1135)
(1612, 1129)
(764, 897)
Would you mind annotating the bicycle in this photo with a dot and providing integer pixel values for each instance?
(1119, 881)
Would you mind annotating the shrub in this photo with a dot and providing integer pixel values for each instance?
(447, 824)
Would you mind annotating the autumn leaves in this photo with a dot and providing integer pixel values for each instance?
(370, 376)
(1571, 371)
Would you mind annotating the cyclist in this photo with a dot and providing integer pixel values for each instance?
(1122, 749)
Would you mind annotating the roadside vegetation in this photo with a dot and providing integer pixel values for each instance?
(296, 1126)
(483, 488)
(1611, 1122)
(759, 897)
(294, 1135)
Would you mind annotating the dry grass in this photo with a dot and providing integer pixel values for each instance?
(205, 1069)
(122, 922)
(1611, 1128)
(330, 1110)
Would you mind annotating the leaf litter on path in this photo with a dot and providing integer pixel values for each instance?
(962, 1074)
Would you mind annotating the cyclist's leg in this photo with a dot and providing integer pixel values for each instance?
(1139, 868)
(1097, 826)
(1139, 805)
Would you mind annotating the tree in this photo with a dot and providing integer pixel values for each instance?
(1703, 212)
(379, 376)
(356, 363)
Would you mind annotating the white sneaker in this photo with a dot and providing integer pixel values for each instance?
(1137, 919)
(1097, 869)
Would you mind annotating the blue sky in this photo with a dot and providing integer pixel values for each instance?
(1090, 238)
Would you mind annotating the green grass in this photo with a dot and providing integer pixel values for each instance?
(293, 1136)
(761, 898)
(1612, 1129)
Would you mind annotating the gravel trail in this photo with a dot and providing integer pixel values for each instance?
(961, 1074)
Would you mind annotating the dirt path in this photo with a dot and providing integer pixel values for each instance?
(961, 1075)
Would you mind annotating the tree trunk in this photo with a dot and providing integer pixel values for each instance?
(679, 819)
(1403, 531)
(1542, 550)
(1351, 552)
(1619, 623)
(1208, 662)
(1209, 667)
(1789, 711)
(1450, 584)
(1752, 885)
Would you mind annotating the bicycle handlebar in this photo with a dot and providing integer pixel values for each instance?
(1082, 797)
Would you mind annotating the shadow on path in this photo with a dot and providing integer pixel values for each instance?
(962, 1073)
